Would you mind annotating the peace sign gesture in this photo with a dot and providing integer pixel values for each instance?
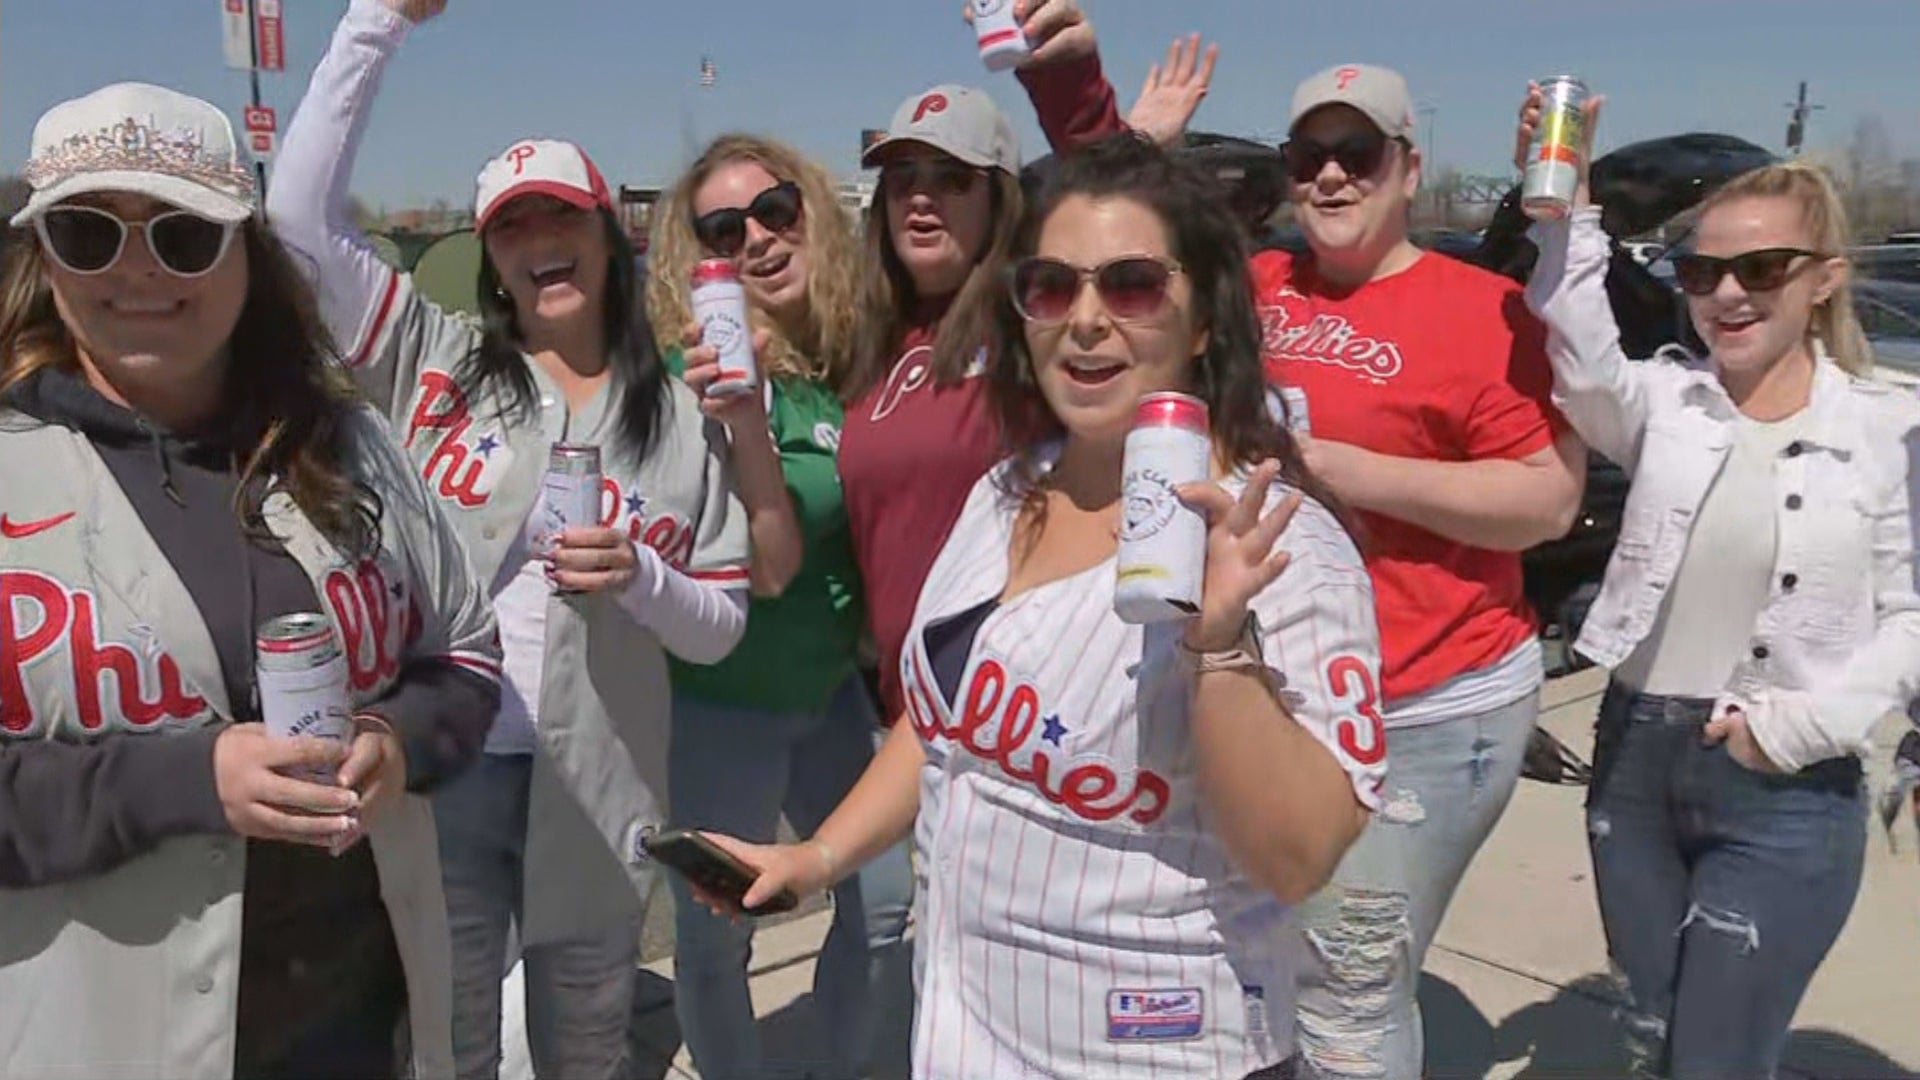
(1241, 560)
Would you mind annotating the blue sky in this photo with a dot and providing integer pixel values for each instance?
(621, 76)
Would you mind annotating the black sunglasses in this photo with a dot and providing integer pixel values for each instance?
(1360, 155)
(1132, 287)
(1760, 270)
(724, 232)
(943, 176)
(89, 240)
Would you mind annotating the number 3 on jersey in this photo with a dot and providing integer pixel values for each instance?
(1351, 681)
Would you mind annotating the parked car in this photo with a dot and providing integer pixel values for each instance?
(1889, 312)
(1887, 262)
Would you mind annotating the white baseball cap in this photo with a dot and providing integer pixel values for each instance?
(1380, 94)
(539, 167)
(956, 120)
(144, 139)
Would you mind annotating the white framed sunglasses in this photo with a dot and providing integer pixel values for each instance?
(88, 240)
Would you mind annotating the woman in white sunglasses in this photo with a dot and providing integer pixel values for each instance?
(1759, 611)
(180, 464)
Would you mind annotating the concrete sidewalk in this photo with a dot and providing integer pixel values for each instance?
(1515, 985)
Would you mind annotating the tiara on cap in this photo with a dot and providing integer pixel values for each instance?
(133, 146)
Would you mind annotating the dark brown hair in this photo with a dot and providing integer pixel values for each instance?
(288, 399)
(1207, 241)
(888, 301)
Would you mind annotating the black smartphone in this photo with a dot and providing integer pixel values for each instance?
(701, 861)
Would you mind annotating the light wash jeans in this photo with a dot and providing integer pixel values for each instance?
(734, 770)
(1366, 934)
(579, 994)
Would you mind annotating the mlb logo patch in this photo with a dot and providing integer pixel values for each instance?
(1154, 1015)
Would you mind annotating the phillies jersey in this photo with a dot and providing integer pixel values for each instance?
(1078, 917)
(1440, 362)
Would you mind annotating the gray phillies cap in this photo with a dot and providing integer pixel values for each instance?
(1378, 93)
(144, 139)
(956, 120)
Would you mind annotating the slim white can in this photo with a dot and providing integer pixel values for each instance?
(1163, 544)
(1294, 416)
(570, 490)
(720, 307)
(1003, 44)
(302, 677)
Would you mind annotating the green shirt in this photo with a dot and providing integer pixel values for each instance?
(800, 646)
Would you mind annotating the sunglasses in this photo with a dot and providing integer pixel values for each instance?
(1131, 287)
(1360, 155)
(88, 240)
(1761, 270)
(724, 232)
(942, 176)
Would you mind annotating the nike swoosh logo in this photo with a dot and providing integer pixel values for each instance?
(13, 530)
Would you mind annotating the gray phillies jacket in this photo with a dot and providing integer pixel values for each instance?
(134, 972)
(603, 713)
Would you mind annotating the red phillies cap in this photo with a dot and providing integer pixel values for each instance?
(540, 167)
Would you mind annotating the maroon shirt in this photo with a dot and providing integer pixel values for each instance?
(910, 451)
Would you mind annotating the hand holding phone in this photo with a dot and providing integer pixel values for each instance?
(721, 879)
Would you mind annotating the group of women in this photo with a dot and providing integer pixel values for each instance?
(243, 413)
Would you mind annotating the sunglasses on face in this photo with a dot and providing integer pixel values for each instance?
(1132, 287)
(1359, 154)
(940, 176)
(724, 232)
(1762, 270)
(88, 240)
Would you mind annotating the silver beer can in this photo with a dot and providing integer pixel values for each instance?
(720, 307)
(570, 491)
(1553, 164)
(302, 676)
(1162, 559)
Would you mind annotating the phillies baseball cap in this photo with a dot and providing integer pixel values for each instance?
(1379, 93)
(956, 120)
(143, 139)
(539, 167)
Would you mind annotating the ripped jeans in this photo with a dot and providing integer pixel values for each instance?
(1721, 889)
(1366, 934)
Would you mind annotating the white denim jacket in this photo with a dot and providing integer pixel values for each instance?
(1837, 645)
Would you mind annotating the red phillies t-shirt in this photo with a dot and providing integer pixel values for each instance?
(910, 452)
(1442, 362)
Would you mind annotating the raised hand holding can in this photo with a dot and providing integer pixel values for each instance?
(1003, 43)
(720, 307)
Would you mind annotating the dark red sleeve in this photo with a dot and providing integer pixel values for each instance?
(1073, 100)
(1511, 413)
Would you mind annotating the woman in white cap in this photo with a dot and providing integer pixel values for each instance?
(544, 835)
(183, 894)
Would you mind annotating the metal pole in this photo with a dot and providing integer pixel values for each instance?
(253, 78)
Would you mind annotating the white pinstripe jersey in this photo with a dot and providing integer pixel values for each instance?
(1078, 917)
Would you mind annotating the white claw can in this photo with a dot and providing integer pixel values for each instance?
(1163, 543)
(570, 490)
(1294, 415)
(1553, 163)
(1003, 43)
(720, 307)
(302, 677)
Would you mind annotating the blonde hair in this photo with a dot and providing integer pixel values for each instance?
(1834, 324)
(823, 345)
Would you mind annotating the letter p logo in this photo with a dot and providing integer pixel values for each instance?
(1345, 76)
(519, 155)
(932, 103)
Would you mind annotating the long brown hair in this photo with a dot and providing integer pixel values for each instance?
(888, 301)
(824, 345)
(1209, 244)
(1835, 323)
(288, 398)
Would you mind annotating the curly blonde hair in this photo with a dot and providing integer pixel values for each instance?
(823, 347)
(1834, 324)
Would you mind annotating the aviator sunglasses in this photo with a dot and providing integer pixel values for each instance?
(942, 176)
(724, 232)
(1761, 270)
(1132, 287)
(1359, 155)
(89, 240)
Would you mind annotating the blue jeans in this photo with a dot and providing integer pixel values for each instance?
(734, 770)
(1367, 932)
(1721, 889)
(579, 993)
